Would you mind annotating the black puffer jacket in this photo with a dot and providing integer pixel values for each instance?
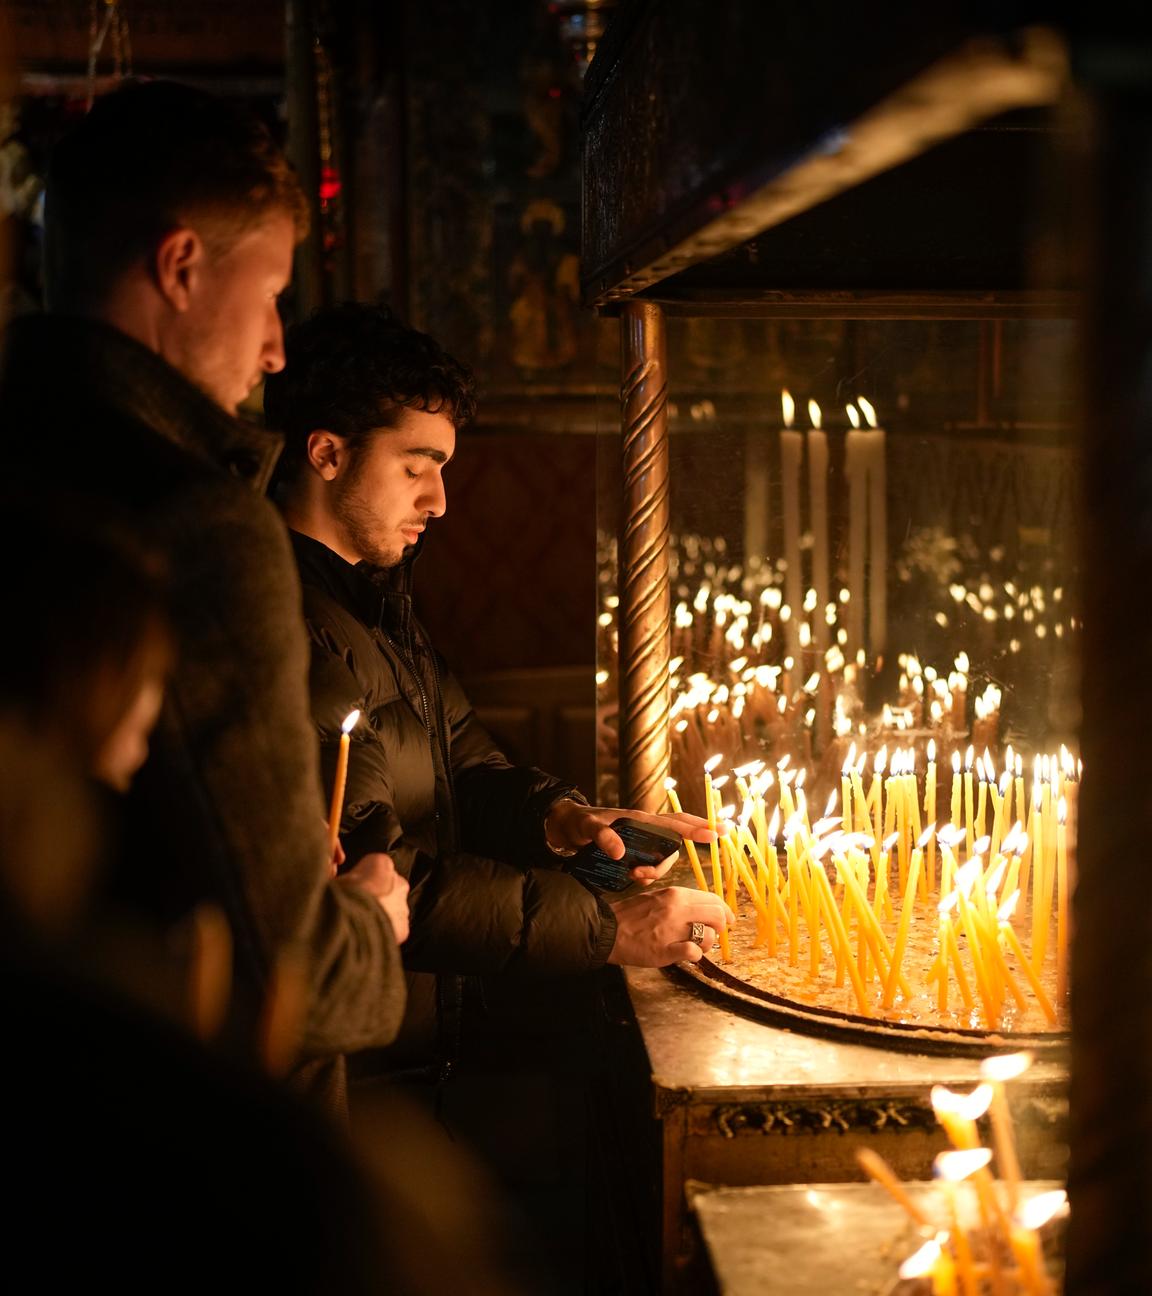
(427, 785)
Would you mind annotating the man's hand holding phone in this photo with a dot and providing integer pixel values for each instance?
(569, 826)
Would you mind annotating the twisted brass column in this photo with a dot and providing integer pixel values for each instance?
(645, 605)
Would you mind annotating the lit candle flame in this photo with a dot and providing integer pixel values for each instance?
(969, 1106)
(788, 405)
(993, 883)
(1038, 1210)
(955, 1166)
(1006, 1066)
(350, 721)
(814, 414)
(853, 416)
(932, 751)
(1008, 908)
(869, 410)
(711, 763)
(921, 1262)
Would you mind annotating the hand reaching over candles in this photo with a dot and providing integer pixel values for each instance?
(376, 874)
(569, 825)
(657, 928)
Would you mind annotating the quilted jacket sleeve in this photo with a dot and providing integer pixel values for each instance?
(471, 911)
(501, 806)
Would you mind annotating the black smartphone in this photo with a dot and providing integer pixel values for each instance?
(643, 845)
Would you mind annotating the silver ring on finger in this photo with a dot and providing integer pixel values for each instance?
(697, 935)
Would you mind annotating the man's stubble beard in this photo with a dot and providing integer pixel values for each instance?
(355, 519)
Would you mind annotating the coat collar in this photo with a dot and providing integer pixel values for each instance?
(98, 360)
(364, 589)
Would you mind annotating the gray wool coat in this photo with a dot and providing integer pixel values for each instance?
(229, 806)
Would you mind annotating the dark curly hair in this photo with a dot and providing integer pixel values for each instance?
(350, 369)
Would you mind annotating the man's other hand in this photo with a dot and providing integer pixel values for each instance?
(570, 825)
(655, 928)
(377, 875)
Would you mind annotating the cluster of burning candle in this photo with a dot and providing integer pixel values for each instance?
(757, 707)
(1004, 1253)
(855, 881)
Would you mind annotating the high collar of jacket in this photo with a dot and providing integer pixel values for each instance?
(378, 595)
(106, 365)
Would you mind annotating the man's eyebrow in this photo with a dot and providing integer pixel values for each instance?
(429, 452)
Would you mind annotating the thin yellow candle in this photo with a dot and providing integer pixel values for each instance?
(906, 908)
(969, 807)
(1016, 842)
(997, 818)
(740, 865)
(1000, 974)
(987, 996)
(1006, 787)
(822, 888)
(930, 814)
(873, 932)
(1005, 914)
(846, 789)
(714, 850)
(982, 796)
(787, 804)
(998, 1071)
(859, 802)
(1026, 869)
(728, 852)
(945, 922)
(954, 813)
(814, 908)
(877, 1169)
(956, 961)
(1061, 901)
(689, 846)
(944, 1275)
(951, 1168)
(958, 1114)
(336, 807)
(1025, 1244)
(948, 865)
(793, 901)
(1039, 882)
(1025, 1238)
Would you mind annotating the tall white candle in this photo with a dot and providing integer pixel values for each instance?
(791, 451)
(855, 469)
(818, 515)
(878, 531)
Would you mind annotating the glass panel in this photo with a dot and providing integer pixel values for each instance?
(874, 561)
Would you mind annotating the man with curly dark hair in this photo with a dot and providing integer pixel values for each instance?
(370, 409)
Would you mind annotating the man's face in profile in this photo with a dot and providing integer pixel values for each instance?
(234, 335)
(393, 485)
